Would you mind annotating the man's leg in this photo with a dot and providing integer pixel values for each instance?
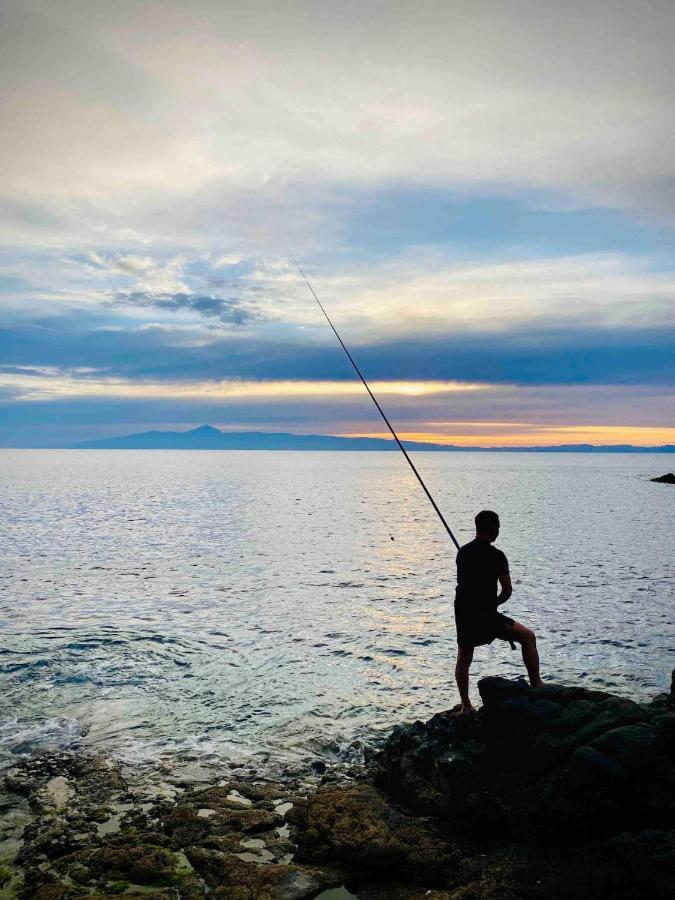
(528, 642)
(464, 658)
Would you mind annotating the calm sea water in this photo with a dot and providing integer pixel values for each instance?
(279, 607)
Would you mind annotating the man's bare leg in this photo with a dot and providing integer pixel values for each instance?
(464, 658)
(528, 643)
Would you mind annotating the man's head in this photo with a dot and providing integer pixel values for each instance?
(487, 525)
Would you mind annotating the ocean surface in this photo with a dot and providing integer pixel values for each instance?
(279, 608)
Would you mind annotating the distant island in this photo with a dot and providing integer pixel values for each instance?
(207, 437)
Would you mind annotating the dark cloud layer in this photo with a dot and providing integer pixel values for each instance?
(563, 357)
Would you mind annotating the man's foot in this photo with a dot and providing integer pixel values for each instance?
(467, 709)
(537, 684)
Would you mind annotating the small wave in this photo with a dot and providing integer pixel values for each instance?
(19, 738)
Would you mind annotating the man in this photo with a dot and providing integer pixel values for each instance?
(479, 568)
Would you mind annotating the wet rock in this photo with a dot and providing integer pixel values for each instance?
(233, 792)
(230, 877)
(141, 864)
(47, 892)
(51, 838)
(355, 825)
(394, 891)
(248, 820)
(225, 812)
(186, 826)
(145, 895)
(191, 888)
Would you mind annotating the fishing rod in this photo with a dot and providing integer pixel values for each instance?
(379, 408)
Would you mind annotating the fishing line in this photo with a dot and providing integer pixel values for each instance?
(379, 408)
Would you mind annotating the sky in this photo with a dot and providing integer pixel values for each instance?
(481, 193)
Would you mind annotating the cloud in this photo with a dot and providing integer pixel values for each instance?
(173, 122)
(125, 264)
(156, 352)
(421, 292)
(229, 311)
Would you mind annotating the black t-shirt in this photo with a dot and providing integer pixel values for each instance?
(479, 565)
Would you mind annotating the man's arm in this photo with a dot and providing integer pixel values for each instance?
(506, 588)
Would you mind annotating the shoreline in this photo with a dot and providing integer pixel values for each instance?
(554, 792)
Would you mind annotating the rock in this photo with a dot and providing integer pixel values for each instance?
(588, 767)
(234, 795)
(394, 891)
(355, 825)
(141, 864)
(553, 764)
(635, 865)
(574, 716)
(550, 793)
(248, 820)
(632, 746)
(494, 690)
(230, 877)
(186, 826)
(668, 478)
(47, 892)
(191, 888)
(145, 895)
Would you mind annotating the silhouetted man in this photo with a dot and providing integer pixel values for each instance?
(480, 567)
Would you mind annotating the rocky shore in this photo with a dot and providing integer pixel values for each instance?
(558, 792)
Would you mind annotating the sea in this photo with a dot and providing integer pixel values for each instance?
(283, 610)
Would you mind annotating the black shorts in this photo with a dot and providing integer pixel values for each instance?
(474, 632)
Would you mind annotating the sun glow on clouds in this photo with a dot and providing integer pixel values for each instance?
(501, 434)
(50, 384)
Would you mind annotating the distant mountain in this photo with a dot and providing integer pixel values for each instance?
(208, 438)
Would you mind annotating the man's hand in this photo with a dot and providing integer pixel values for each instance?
(506, 588)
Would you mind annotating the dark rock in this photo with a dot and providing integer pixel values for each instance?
(142, 895)
(191, 888)
(574, 716)
(631, 746)
(588, 767)
(553, 764)
(635, 865)
(142, 864)
(494, 690)
(249, 820)
(47, 892)
(230, 877)
(355, 825)
(186, 827)
(668, 478)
